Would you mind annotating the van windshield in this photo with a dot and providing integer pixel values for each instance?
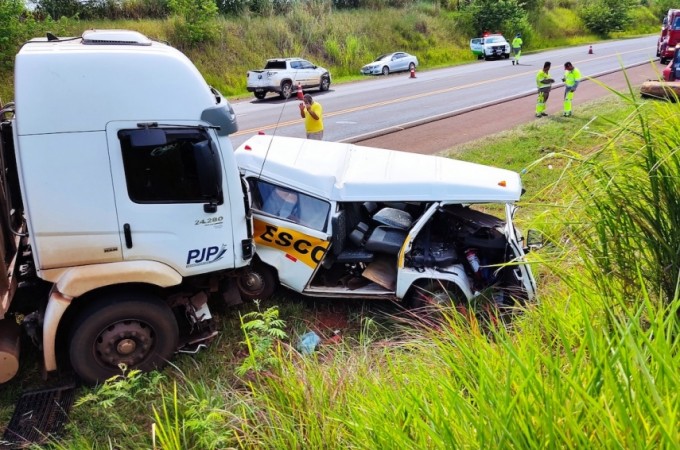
(288, 204)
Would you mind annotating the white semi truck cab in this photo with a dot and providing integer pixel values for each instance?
(123, 210)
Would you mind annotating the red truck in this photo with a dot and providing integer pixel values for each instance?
(670, 36)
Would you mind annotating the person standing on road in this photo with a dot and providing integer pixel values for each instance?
(312, 112)
(543, 83)
(516, 49)
(572, 77)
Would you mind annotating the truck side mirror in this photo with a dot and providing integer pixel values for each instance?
(210, 171)
(534, 240)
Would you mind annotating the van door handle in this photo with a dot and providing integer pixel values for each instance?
(128, 235)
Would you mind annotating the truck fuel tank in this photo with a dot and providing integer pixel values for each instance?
(10, 339)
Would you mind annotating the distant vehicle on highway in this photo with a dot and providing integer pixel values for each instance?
(282, 75)
(492, 46)
(390, 62)
(670, 36)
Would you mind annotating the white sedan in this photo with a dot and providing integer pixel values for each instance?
(390, 62)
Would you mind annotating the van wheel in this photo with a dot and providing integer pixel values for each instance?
(258, 282)
(132, 329)
(436, 294)
(286, 89)
(260, 95)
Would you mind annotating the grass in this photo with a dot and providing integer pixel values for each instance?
(593, 364)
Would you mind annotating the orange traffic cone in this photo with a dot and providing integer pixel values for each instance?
(299, 92)
(590, 50)
(413, 72)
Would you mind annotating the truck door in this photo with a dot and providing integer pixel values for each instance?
(168, 193)
(307, 74)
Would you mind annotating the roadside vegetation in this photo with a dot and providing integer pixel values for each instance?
(592, 364)
(229, 37)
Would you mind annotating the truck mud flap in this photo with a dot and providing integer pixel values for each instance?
(38, 415)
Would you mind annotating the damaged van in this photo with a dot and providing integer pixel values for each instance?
(346, 221)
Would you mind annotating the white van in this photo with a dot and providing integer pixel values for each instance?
(340, 220)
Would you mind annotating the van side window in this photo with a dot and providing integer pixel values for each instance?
(162, 165)
(288, 204)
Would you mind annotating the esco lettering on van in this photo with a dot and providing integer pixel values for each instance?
(308, 249)
(205, 255)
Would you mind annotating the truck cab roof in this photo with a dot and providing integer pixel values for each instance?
(109, 74)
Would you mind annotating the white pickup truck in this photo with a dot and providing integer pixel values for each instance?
(282, 75)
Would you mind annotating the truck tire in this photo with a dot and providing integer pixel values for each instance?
(325, 83)
(435, 294)
(260, 95)
(259, 282)
(286, 89)
(506, 55)
(134, 329)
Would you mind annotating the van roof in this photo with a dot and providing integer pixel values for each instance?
(347, 172)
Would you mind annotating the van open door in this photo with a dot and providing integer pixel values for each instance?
(521, 270)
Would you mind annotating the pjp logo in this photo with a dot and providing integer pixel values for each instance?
(205, 255)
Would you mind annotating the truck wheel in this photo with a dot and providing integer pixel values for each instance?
(385, 70)
(260, 95)
(259, 282)
(436, 294)
(286, 89)
(325, 83)
(506, 55)
(134, 329)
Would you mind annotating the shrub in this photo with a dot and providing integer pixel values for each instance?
(604, 16)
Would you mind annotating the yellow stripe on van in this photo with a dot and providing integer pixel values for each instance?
(304, 248)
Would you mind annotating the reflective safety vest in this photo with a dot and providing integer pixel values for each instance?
(517, 42)
(572, 78)
(540, 76)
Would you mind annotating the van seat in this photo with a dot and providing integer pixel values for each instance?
(393, 217)
(343, 254)
(386, 239)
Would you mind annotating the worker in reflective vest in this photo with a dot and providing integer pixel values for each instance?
(516, 49)
(543, 83)
(572, 77)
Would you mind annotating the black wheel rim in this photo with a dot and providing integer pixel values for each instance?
(128, 342)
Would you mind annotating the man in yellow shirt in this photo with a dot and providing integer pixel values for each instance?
(312, 112)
